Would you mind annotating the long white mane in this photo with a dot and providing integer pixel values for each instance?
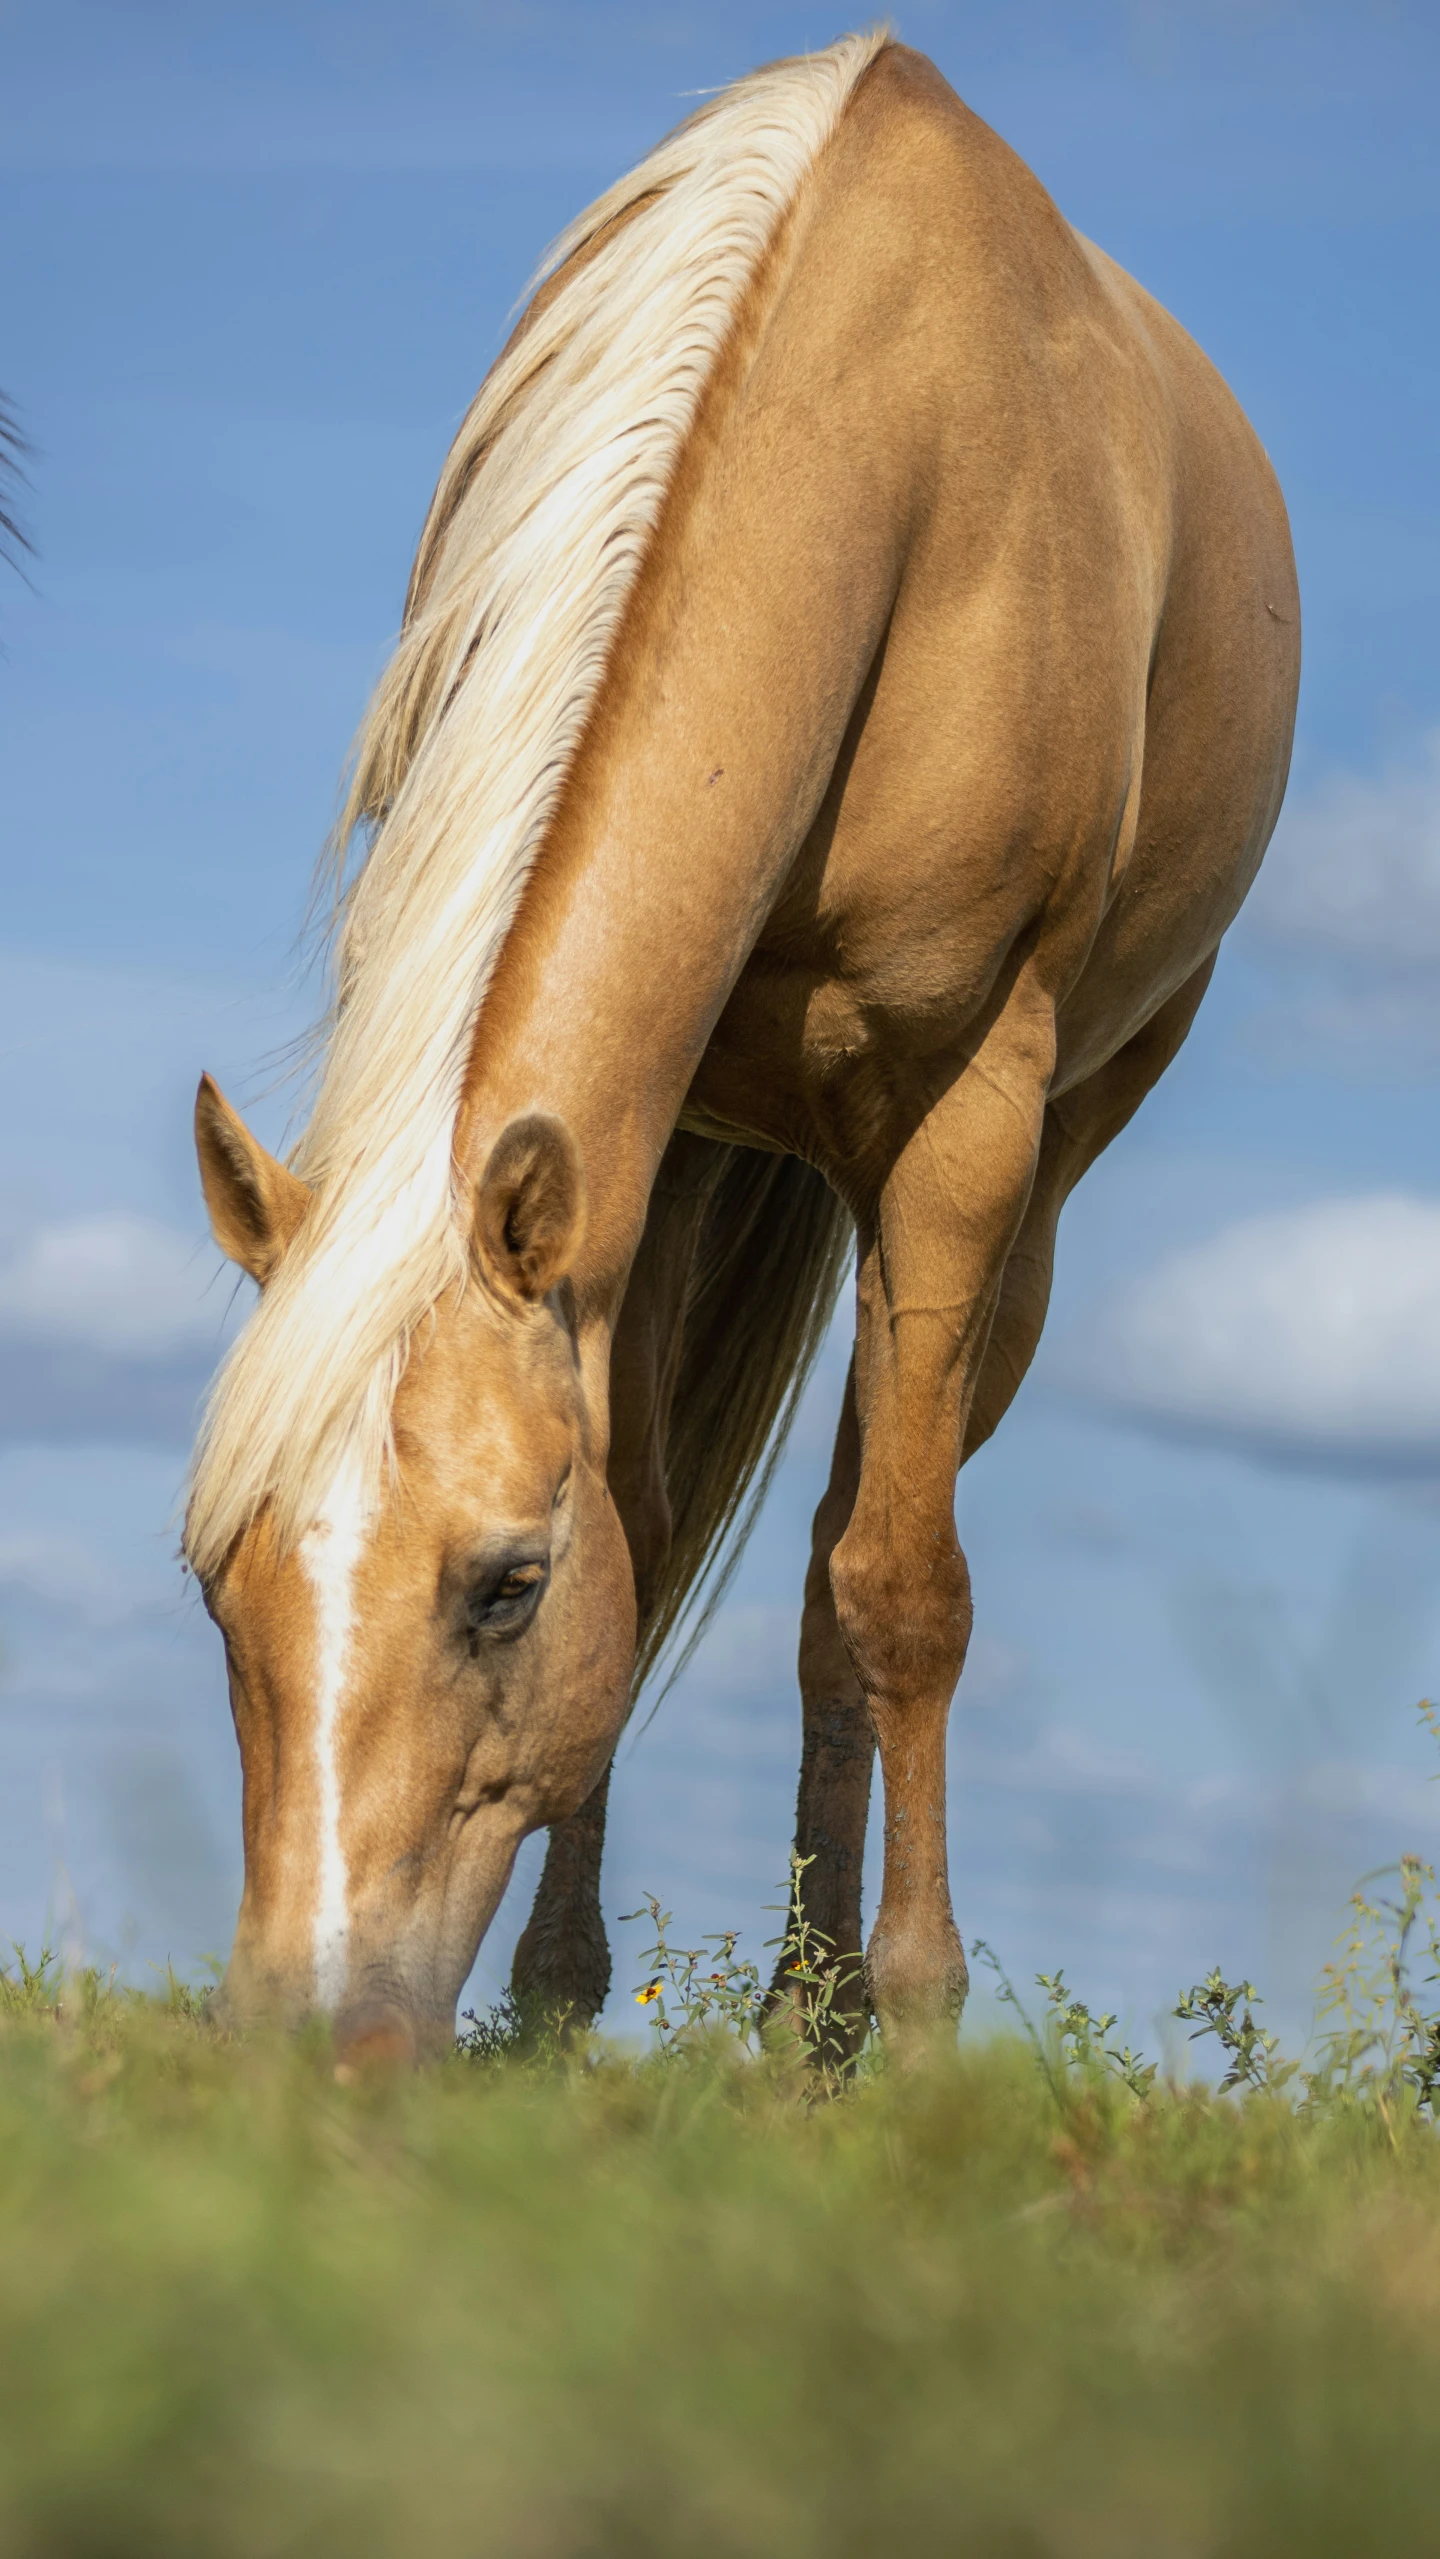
(540, 522)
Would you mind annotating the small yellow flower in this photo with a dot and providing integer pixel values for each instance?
(644, 1997)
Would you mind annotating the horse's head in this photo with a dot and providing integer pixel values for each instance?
(430, 1673)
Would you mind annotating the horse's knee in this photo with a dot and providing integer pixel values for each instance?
(561, 1965)
(905, 1617)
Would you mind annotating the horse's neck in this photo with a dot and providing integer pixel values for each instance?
(742, 654)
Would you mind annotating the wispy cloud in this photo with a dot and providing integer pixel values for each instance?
(109, 1327)
(1311, 1334)
(64, 1573)
(112, 1282)
(1354, 872)
(1346, 914)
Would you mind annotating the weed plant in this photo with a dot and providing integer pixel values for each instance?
(737, 2296)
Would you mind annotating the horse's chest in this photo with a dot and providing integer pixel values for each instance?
(801, 1062)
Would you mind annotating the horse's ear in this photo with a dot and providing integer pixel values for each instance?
(255, 1204)
(530, 1207)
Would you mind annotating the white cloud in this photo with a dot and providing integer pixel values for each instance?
(121, 1285)
(1346, 912)
(1354, 871)
(1314, 1333)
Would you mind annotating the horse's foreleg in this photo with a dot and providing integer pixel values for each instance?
(953, 1292)
(562, 1961)
(561, 1968)
(838, 1748)
(930, 1272)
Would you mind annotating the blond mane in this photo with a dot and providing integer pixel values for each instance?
(539, 524)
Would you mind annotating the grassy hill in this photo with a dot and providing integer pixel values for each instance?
(555, 2309)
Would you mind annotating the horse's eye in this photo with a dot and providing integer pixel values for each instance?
(524, 1578)
(504, 1602)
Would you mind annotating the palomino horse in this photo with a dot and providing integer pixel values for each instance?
(845, 691)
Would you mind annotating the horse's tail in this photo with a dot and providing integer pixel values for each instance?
(771, 1257)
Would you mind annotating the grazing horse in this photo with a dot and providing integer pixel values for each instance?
(845, 690)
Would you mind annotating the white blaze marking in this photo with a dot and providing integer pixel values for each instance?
(330, 1552)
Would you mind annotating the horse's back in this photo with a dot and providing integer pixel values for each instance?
(1098, 584)
(1058, 398)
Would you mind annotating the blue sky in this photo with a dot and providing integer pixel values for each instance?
(257, 259)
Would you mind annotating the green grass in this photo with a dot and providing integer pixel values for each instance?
(674, 2309)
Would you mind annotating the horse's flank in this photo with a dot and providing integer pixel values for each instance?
(540, 523)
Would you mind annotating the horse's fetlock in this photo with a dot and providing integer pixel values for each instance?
(917, 1977)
